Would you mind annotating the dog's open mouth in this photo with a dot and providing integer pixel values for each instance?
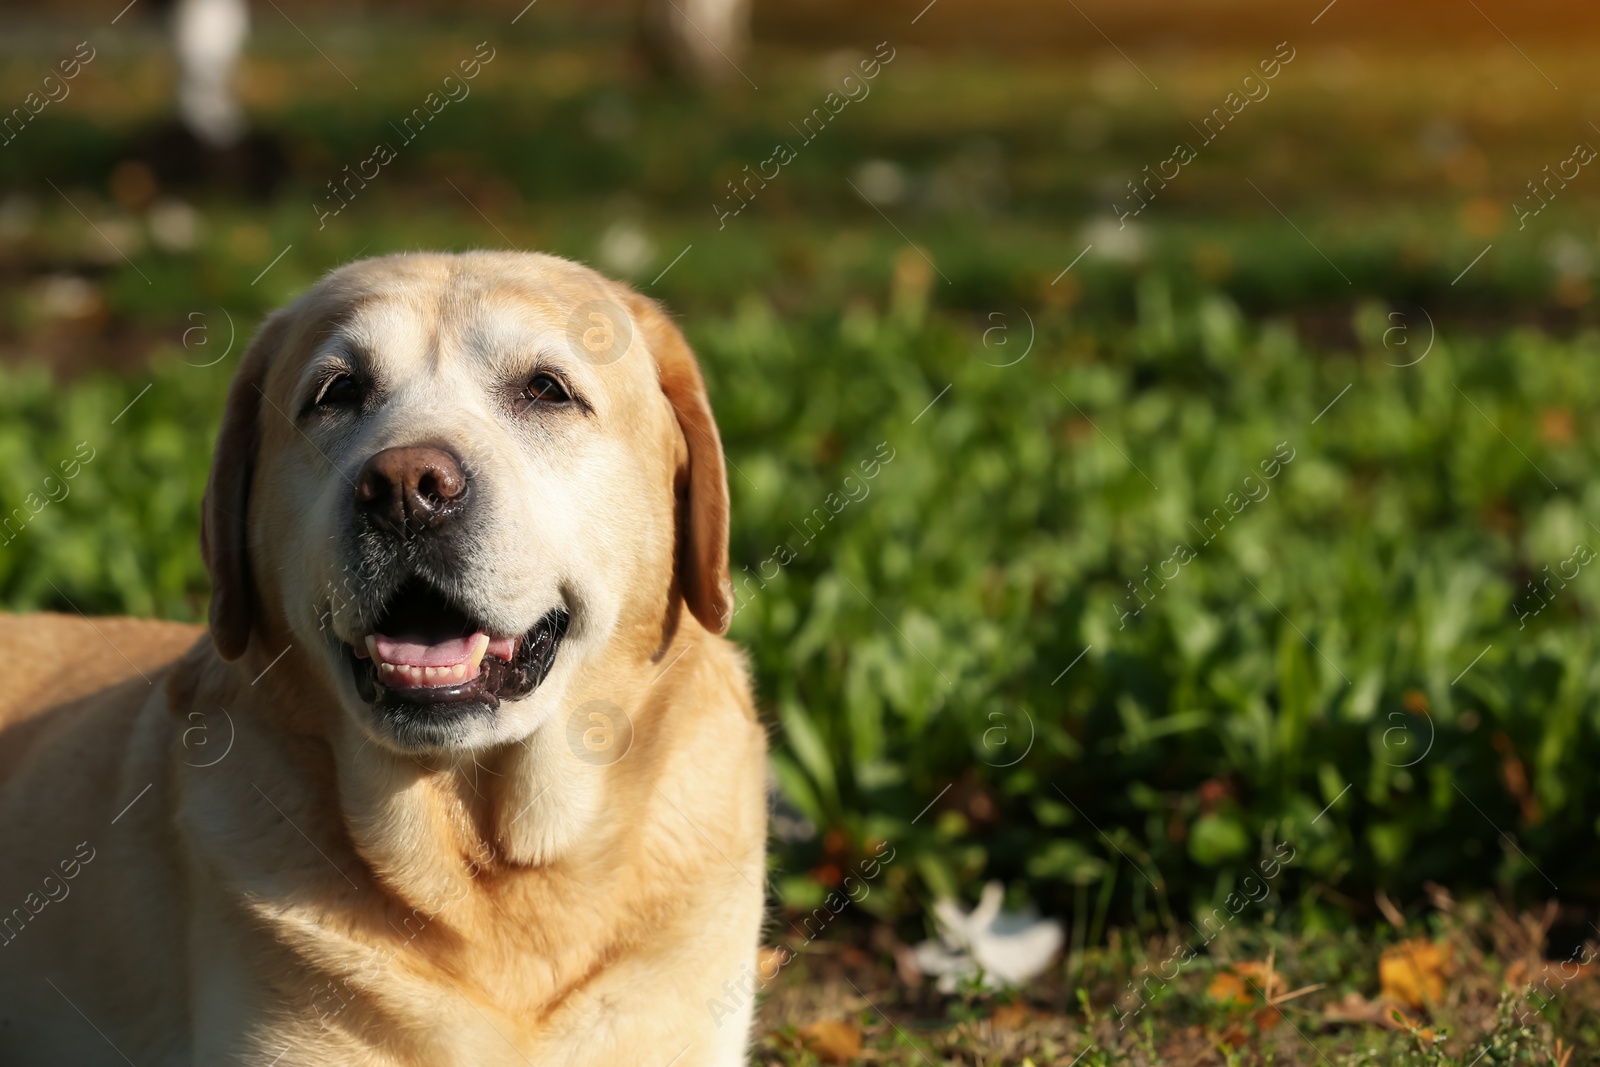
(423, 649)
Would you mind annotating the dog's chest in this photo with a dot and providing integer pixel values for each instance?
(485, 977)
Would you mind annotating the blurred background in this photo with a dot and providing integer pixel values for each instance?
(1303, 288)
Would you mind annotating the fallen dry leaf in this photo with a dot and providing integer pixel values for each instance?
(1228, 988)
(1009, 1016)
(1244, 983)
(1413, 972)
(1262, 975)
(833, 1040)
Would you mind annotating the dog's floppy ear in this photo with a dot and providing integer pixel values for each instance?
(703, 497)
(224, 533)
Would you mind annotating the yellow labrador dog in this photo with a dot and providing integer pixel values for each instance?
(462, 772)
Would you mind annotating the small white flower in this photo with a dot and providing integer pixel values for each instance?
(1117, 238)
(175, 226)
(1010, 948)
(625, 249)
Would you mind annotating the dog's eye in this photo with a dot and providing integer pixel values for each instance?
(545, 389)
(340, 390)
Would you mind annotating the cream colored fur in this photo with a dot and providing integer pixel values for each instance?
(321, 895)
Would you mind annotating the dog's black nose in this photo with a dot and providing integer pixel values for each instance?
(416, 487)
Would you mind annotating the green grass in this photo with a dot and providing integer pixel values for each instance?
(1497, 1003)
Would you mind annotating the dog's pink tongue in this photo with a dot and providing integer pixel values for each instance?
(416, 652)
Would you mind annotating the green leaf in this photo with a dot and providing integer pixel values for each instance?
(1216, 838)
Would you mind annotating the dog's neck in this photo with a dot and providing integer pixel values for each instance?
(427, 827)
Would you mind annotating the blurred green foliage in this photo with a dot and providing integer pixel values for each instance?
(947, 661)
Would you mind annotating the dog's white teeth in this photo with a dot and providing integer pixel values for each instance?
(403, 675)
(475, 657)
(400, 675)
(372, 647)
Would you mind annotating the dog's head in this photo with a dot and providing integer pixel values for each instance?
(453, 480)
